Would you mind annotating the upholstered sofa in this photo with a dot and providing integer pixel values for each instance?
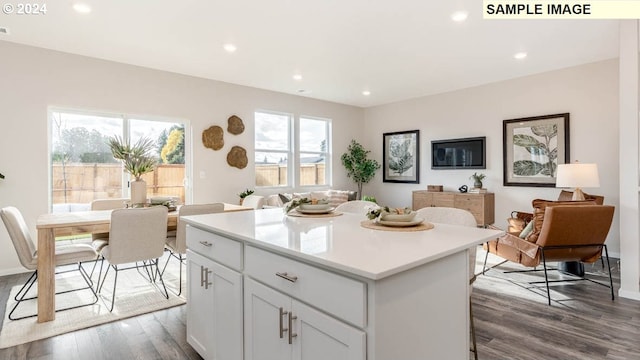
(334, 197)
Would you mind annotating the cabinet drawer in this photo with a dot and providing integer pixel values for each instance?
(335, 294)
(215, 247)
(473, 204)
(443, 200)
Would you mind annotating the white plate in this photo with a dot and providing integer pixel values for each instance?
(315, 211)
(414, 222)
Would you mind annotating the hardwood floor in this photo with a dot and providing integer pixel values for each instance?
(159, 335)
(511, 323)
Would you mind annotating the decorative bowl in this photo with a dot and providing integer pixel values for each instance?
(389, 216)
(315, 206)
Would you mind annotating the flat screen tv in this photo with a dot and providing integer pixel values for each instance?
(467, 153)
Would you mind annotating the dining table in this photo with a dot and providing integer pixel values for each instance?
(52, 225)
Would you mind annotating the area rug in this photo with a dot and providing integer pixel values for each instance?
(134, 296)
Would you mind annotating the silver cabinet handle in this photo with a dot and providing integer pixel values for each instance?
(287, 277)
(207, 283)
(206, 243)
(204, 277)
(282, 328)
(291, 333)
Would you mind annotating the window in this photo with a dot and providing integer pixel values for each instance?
(83, 169)
(314, 151)
(273, 153)
(279, 149)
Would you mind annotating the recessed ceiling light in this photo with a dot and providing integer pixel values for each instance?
(297, 77)
(520, 55)
(82, 8)
(230, 48)
(366, 93)
(459, 16)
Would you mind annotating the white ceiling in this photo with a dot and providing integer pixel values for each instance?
(395, 49)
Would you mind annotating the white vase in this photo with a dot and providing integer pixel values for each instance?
(138, 192)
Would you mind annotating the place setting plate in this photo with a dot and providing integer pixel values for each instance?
(413, 222)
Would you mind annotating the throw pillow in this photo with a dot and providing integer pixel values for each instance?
(337, 197)
(285, 198)
(320, 195)
(527, 230)
(306, 195)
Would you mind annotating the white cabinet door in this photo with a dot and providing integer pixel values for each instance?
(227, 312)
(214, 309)
(321, 337)
(265, 323)
(199, 305)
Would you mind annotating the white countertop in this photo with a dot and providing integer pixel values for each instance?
(340, 242)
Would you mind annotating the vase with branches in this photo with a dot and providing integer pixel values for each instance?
(137, 160)
(359, 167)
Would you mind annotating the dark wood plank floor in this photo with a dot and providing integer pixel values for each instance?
(511, 323)
(159, 335)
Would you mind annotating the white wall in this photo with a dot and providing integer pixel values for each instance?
(32, 79)
(589, 93)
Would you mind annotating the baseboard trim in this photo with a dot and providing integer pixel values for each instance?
(633, 295)
(13, 271)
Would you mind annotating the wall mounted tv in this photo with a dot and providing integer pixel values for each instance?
(467, 153)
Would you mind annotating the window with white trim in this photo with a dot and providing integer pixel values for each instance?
(292, 151)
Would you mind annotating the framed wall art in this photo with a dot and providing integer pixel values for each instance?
(401, 157)
(532, 149)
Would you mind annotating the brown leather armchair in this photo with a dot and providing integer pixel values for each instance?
(562, 231)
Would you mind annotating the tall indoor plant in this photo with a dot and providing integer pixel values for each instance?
(359, 168)
(138, 159)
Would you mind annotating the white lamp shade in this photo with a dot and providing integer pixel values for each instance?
(578, 175)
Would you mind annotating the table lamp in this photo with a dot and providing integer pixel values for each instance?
(577, 175)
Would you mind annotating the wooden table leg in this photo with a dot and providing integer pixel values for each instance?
(46, 275)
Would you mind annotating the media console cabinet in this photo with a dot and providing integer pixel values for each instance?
(482, 206)
(263, 285)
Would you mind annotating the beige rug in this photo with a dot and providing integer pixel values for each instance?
(134, 296)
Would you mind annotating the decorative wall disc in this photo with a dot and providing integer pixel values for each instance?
(213, 137)
(235, 127)
(237, 157)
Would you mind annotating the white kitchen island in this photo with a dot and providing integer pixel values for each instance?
(262, 285)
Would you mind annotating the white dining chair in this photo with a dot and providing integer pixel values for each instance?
(356, 207)
(28, 257)
(453, 216)
(136, 235)
(98, 241)
(177, 242)
(253, 201)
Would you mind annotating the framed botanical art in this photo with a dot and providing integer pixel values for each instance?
(532, 149)
(401, 157)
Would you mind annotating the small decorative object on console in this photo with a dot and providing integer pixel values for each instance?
(435, 188)
(477, 179)
(463, 189)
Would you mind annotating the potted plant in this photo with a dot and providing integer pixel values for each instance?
(137, 159)
(477, 180)
(244, 194)
(359, 168)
